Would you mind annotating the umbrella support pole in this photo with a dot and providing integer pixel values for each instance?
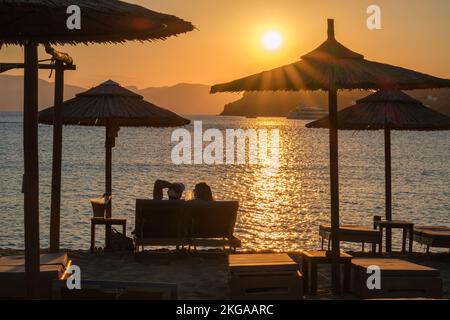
(31, 176)
(388, 178)
(109, 143)
(55, 208)
(334, 192)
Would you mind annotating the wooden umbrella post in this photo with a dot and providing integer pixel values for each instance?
(108, 182)
(31, 177)
(334, 192)
(334, 178)
(55, 209)
(388, 178)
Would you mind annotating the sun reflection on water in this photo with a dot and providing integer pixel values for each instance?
(281, 207)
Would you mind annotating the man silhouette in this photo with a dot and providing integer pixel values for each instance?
(174, 190)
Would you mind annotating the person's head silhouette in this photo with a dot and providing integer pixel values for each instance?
(203, 192)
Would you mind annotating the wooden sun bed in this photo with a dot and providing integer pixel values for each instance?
(111, 290)
(212, 223)
(13, 278)
(354, 234)
(264, 277)
(60, 258)
(432, 236)
(186, 223)
(399, 279)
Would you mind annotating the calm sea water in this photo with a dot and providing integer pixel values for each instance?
(279, 210)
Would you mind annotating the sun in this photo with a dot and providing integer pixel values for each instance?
(272, 40)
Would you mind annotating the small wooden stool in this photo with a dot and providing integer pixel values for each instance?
(106, 222)
(264, 277)
(310, 261)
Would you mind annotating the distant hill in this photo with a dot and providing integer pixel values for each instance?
(181, 98)
(279, 104)
(438, 99)
(11, 93)
(191, 99)
(187, 98)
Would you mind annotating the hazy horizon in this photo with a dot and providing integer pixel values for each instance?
(182, 98)
(227, 44)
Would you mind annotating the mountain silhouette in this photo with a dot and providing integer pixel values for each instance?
(183, 98)
(195, 99)
(280, 104)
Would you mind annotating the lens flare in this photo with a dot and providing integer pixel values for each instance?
(272, 40)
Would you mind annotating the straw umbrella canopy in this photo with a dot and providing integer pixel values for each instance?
(111, 106)
(387, 110)
(332, 67)
(102, 21)
(32, 22)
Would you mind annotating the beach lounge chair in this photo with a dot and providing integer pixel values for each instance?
(399, 279)
(354, 234)
(432, 237)
(212, 223)
(160, 223)
(13, 277)
(111, 290)
(273, 276)
(182, 223)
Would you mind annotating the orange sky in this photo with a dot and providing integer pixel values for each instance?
(228, 43)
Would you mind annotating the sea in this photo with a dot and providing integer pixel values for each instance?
(281, 206)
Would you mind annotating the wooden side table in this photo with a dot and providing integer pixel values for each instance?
(107, 222)
(408, 231)
(264, 277)
(310, 262)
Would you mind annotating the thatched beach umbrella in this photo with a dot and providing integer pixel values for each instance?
(111, 106)
(32, 22)
(387, 110)
(332, 67)
(101, 21)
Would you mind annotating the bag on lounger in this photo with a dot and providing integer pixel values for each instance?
(119, 242)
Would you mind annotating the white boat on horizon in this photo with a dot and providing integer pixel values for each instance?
(307, 113)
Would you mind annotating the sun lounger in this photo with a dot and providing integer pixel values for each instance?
(160, 223)
(13, 277)
(264, 277)
(212, 224)
(60, 258)
(110, 290)
(399, 279)
(355, 234)
(183, 223)
(436, 237)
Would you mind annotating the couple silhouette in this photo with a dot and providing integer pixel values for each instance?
(175, 191)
